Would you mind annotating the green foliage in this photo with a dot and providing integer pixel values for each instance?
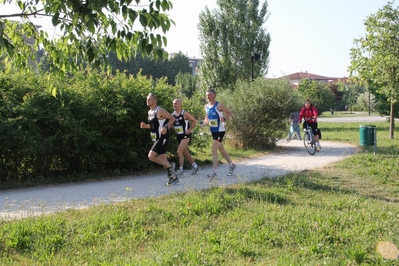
(363, 102)
(179, 63)
(260, 111)
(350, 95)
(89, 30)
(383, 107)
(187, 83)
(317, 92)
(147, 66)
(88, 124)
(337, 89)
(229, 37)
(375, 57)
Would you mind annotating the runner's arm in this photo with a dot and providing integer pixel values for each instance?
(144, 125)
(206, 121)
(225, 110)
(162, 113)
(193, 121)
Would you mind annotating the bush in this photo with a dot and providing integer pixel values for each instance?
(260, 112)
(87, 124)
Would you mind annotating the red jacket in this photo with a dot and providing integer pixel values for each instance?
(308, 113)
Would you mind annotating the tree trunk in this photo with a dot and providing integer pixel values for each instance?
(392, 122)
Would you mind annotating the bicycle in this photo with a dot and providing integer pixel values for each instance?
(309, 140)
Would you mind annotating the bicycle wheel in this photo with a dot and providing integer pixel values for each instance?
(309, 142)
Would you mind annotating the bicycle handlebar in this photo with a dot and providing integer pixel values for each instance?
(308, 118)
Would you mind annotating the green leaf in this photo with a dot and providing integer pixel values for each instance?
(125, 12)
(54, 92)
(119, 52)
(113, 45)
(165, 5)
(90, 26)
(79, 21)
(149, 48)
(143, 44)
(132, 15)
(160, 53)
(10, 48)
(143, 20)
(54, 20)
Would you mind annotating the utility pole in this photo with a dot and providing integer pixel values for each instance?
(254, 58)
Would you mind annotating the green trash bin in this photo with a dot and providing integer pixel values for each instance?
(367, 135)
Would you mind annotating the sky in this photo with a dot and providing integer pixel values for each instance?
(306, 35)
(313, 36)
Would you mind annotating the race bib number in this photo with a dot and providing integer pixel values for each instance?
(213, 123)
(153, 136)
(179, 130)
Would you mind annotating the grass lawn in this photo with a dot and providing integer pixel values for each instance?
(334, 215)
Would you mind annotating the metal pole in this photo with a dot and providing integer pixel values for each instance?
(369, 101)
(375, 140)
(252, 60)
(369, 84)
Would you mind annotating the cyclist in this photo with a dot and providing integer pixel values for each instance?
(309, 114)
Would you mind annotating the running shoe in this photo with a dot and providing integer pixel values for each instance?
(179, 172)
(318, 147)
(171, 171)
(195, 170)
(173, 180)
(231, 169)
(212, 175)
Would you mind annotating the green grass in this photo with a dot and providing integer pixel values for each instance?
(330, 216)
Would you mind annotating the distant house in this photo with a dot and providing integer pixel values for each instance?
(195, 65)
(297, 77)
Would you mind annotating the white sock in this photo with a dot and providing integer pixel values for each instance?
(181, 168)
(194, 165)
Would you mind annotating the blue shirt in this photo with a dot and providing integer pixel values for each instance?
(214, 118)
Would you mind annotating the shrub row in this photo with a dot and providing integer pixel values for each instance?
(88, 123)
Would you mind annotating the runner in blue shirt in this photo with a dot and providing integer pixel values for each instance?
(215, 118)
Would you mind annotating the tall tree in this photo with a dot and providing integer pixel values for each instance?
(317, 92)
(89, 30)
(229, 38)
(375, 57)
(178, 63)
(187, 83)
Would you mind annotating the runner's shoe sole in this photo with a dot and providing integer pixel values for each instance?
(195, 170)
(179, 172)
(212, 175)
(231, 169)
(173, 180)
